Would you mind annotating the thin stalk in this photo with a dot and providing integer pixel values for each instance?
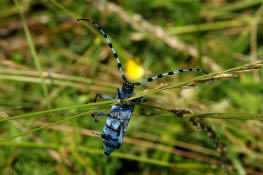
(29, 145)
(43, 127)
(52, 75)
(37, 80)
(240, 168)
(233, 7)
(53, 82)
(118, 48)
(202, 79)
(66, 10)
(239, 116)
(34, 53)
(34, 114)
(211, 26)
(10, 11)
(46, 75)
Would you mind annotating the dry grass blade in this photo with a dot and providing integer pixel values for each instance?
(202, 79)
(240, 116)
(138, 142)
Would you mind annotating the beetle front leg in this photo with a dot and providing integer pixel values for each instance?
(95, 114)
(103, 96)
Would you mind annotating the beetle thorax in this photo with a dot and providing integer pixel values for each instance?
(127, 87)
(127, 90)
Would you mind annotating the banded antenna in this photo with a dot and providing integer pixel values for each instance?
(169, 73)
(109, 43)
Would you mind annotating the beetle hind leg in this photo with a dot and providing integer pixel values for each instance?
(95, 114)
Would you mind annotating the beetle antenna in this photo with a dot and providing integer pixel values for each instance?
(169, 73)
(109, 43)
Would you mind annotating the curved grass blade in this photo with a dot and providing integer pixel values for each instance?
(205, 78)
(43, 127)
(29, 145)
(28, 115)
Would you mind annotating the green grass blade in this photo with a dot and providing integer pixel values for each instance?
(208, 26)
(29, 145)
(233, 7)
(34, 114)
(240, 168)
(43, 127)
(34, 54)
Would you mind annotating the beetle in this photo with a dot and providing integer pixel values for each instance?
(120, 114)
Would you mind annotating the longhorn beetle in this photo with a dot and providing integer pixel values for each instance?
(120, 114)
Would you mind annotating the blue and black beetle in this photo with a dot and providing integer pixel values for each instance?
(120, 114)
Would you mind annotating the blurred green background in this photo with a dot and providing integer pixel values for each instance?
(76, 63)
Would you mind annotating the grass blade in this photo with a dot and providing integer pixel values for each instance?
(34, 54)
(238, 116)
(43, 127)
(28, 115)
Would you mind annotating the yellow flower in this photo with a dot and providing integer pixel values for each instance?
(134, 70)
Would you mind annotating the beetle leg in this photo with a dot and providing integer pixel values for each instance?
(95, 114)
(103, 96)
(119, 96)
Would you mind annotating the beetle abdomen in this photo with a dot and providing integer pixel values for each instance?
(115, 127)
(111, 135)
